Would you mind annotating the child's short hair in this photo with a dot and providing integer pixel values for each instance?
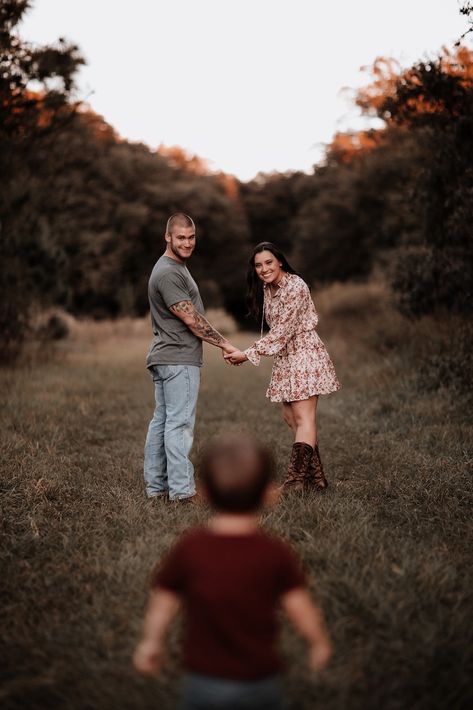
(236, 470)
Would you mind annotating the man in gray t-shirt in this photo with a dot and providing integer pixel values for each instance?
(174, 343)
(174, 361)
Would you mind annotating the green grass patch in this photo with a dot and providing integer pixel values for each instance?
(387, 547)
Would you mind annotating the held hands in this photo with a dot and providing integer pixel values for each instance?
(236, 357)
(232, 355)
(227, 350)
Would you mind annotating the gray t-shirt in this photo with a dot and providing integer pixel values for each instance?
(173, 343)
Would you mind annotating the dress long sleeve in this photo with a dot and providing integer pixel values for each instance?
(291, 319)
(302, 367)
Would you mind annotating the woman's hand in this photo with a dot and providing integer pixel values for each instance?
(236, 357)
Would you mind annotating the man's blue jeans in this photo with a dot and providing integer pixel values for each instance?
(167, 468)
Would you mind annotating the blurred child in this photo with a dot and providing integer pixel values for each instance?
(230, 577)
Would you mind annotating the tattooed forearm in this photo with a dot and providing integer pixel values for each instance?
(203, 329)
(197, 323)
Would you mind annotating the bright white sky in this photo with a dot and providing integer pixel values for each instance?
(250, 85)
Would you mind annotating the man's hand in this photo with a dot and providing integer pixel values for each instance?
(228, 348)
(148, 657)
(236, 357)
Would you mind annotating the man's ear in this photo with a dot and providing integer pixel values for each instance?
(272, 495)
(167, 237)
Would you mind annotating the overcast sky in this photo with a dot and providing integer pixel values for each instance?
(250, 85)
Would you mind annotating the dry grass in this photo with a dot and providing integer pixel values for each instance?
(387, 547)
(86, 331)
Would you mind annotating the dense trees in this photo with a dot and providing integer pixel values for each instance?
(99, 212)
(82, 212)
(26, 120)
(435, 102)
(402, 194)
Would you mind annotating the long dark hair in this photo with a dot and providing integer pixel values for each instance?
(254, 293)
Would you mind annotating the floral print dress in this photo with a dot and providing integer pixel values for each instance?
(302, 366)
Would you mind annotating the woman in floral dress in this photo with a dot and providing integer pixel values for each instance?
(302, 368)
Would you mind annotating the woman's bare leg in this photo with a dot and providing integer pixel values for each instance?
(288, 416)
(304, 415)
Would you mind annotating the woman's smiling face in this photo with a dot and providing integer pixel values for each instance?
(267, 267)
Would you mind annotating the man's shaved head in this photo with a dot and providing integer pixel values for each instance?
(179, 219)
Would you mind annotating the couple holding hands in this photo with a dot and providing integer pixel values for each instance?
(302, 369)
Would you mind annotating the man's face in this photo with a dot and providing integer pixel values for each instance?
(181, 242)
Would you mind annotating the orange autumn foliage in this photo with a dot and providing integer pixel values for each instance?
(372, 99)
(179, 158)
(345, 146)
(387, 74)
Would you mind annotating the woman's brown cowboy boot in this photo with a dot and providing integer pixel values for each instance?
(315, 479)
(299, 465)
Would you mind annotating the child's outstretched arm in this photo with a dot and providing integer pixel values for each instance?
(163, 606)
(307, 619)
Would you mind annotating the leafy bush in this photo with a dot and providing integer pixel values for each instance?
(450, 364)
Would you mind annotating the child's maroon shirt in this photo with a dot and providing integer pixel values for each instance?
(230, 586)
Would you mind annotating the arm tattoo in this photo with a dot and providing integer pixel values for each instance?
(199, 325)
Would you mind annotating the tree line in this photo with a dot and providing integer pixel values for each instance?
(82, 211)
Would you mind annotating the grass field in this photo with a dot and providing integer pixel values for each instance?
(388, 547)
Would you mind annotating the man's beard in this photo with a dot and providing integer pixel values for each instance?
(176, 253)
